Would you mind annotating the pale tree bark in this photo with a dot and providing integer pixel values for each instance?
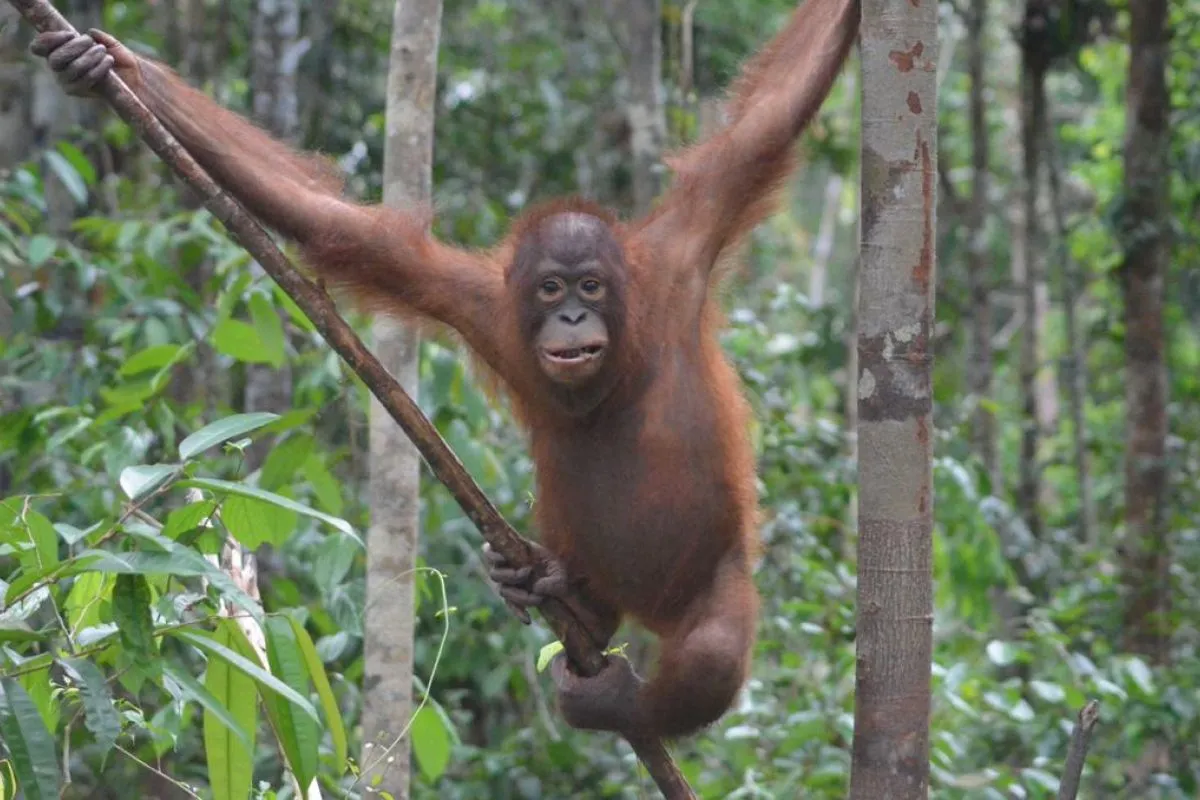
(1145, 232)
(647, 120)
(1075, 363)
(16, 86)
(899, 47)
(395, 468)
(1033, 96)
(979, 266)
(277, 48)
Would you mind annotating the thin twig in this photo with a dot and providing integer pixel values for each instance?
(1081, 738)
(318, 307)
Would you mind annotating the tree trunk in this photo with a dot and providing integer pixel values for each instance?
(395, 468)
(276, 55)
(1029, 491)
(647, 121)
(1145, 234)
(1075, 363)
(979, 267)
(899, 47)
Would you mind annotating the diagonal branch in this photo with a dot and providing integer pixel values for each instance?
(318, 306)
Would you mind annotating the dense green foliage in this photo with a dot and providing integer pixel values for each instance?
(122, 457)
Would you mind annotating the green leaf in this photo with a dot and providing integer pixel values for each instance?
(222, 431)
(44, 553)
(178, 560)
(151, 358)
(143, 480)
(40, 249)
(299, 736)
(269, 328)
(131, 614)
(78, 160)
(316, 671)
(222, 487)
(101, 715)
(88, 592)
(1142, 677)
(323, 484)
(431, 742)
(70, 177)
(187, 518)
(28, 742)
(547, 654)
(229, 738)
(255, 522)
(239, 340)
(264, 679)
(283, 461)
(198, 692)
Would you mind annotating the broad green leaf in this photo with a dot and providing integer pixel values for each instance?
(68, 175)
(283, 461)
(198, 692)
(299, 735)
(143, 480)
(255, 522)
(131, 614)
(264, 679)
(100, 713)
(430, 742)
(323, 484)
(188, 517)
(1142, 677)
(28, 742)
(178, 561)
(151, 358)
(88, 592)
(41, 248)
(229, 738)
(239, 340)
(329, 705)
(42, 691)
(269, 328)
(44, 540)
(222, 487)
(222, 431)
(78, 160)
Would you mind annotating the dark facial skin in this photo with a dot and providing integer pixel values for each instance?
(569, 276)
(573, 339)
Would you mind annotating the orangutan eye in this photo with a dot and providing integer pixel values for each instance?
(591, 289)
(550, 289)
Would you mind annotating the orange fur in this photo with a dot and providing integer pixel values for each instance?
(649, 498)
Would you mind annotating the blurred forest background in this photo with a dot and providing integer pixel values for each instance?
(1066, 559)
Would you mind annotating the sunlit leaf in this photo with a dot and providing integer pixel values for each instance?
(28, 742)
(269, 328)
(228, 487)
(263, 678)
(329, 705)
(151, 358)
(298, 734)
(40, 249)
(239, 340)
(229, 737)
(223, 430)
(256, 522)
(143, 480)
(431, 742)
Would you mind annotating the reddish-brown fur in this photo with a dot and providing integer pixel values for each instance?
(649, 499)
